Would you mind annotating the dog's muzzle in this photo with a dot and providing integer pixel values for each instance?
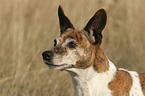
(47, 55)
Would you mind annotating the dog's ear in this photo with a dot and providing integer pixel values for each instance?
(64, 22)
(95, 26)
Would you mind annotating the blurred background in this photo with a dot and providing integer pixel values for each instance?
(28, 27)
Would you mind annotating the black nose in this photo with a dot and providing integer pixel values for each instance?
(47, 55)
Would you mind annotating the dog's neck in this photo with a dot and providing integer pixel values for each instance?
(90, 81)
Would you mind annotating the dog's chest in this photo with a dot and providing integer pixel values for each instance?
(88, 89)
(92, 87)
(91, 83)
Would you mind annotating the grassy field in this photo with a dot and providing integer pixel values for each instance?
(28, 27)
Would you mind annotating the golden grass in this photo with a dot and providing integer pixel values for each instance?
(28, 27)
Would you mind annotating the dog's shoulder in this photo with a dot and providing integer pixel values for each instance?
(142, 81)
(127, 83)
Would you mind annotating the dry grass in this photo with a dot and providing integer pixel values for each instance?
(28, 27)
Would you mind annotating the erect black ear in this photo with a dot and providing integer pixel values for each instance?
(64, 22)
(95, 26)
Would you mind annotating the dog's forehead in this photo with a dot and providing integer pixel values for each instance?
(77, 35)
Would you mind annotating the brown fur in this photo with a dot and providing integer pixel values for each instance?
(59, 50)
(82, 40)
(121, 84)
(101, 64)
(142, 81)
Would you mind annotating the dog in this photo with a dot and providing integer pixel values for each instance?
(79, 53)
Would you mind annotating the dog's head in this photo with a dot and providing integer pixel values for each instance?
(75, 48)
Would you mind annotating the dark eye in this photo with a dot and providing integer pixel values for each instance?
(55, 42)
(71, 45)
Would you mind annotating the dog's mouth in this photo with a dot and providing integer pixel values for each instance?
(61, 67)
(51, 64)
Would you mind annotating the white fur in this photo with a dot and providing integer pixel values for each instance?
(88, 82)
(136, 89)
(91, 35)
(57, 41)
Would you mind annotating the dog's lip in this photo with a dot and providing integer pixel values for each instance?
(51, 64)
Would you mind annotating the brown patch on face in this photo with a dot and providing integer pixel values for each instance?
(121, 84)
(59, 50)
(101, 63)
(89, 53)
(142, 81)
(84, 62)
(73, 34)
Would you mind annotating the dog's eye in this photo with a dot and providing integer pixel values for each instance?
(55, 42)
(71, 45)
